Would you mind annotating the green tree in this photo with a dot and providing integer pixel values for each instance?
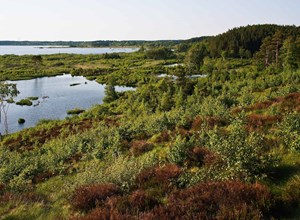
(290, 54)
(7, 92)
(161, 53)
(195, 56)
(110, 94)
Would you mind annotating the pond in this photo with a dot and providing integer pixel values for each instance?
(56, 95)
(43, 50)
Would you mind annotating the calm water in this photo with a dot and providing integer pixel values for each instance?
(42, 50)
(56, 96)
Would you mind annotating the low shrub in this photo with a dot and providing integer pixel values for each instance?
(140, 147)
(161, 177)
(199, 156)
(89, 196)
(141, 201)
(255, 121)
(104, 214)
(216, 200)
(197, 123)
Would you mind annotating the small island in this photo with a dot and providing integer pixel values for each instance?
(26, 102)
(21, 120)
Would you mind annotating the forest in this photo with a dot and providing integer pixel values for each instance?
(212, 131)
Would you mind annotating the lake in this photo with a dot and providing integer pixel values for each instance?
(55, 97)
(44, 50)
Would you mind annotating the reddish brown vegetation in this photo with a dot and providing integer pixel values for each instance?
(140, 147)
(40, 177)
(160, 177)
(255, 121)
(2, 187)
(261, 105)
(142, 201)
(181, 131)
(216, 200)
(111, 122)
(163, 137)
(124, 207)
(215, 121)
(197, 123)
(136, 202)
(89, 196)
(199, 156)
(210, 121)
(105, 214)
(289, 102)
(220, 200)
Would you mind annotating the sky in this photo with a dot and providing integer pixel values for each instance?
(87, 20)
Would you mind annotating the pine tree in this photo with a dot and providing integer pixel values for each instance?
(110, 94)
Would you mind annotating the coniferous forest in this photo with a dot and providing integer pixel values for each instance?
(215, 136)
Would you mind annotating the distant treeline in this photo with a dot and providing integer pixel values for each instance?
(100, 43)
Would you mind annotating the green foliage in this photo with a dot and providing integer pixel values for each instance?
(289, 131)
(178, 151)
(159, 53)
(171, 141)
(110, 94)
(195, 56)
(242, 153)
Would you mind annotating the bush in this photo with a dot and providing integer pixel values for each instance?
(159, 177)
(255, 121)
(140, 147)
(216, 200)
(141, 201)
(159, 53)
(89, 196)
(199, 156)
(289, 131)
(178, 151)
(104, 214)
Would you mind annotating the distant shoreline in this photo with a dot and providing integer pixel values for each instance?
(70, 46)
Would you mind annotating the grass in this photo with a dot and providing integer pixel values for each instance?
(75, 111)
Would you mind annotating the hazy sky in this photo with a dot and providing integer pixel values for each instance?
(136, 19)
